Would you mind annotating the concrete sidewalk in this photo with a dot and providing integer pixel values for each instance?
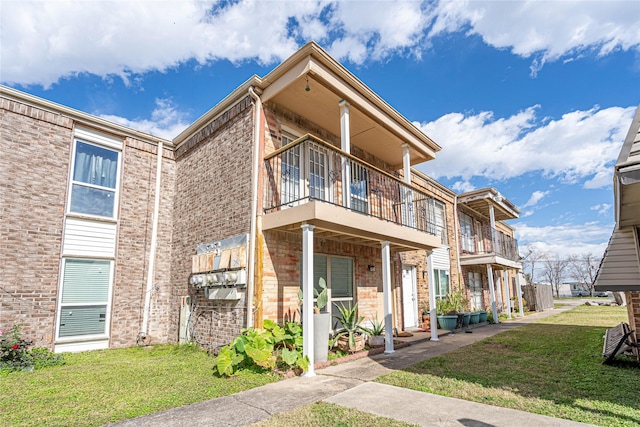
(349, 385)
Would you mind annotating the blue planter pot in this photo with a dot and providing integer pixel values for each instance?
(474, 317)
(483, 316)
(447, 322)
(466, 319)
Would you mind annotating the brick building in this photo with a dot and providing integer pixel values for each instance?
(620, 267)
(113, 237)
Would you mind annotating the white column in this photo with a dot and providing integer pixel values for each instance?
(433, 317)
(507, 291)
(307, 296)
(406, 163)
(386, 291)
(492, 216)
(492, 292)
(519, 288)
(345, 145)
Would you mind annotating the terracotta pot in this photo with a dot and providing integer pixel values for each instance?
(343, 344)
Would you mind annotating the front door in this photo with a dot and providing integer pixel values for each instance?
(409, 298)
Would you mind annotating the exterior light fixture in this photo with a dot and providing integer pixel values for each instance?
(307, 88)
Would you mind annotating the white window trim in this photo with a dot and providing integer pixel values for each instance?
(99, 338)
(115, 190)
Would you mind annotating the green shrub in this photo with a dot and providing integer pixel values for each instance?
(15, 354)
(269, 348)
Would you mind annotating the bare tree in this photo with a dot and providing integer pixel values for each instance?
(529, 261)
(554, 271)
(583, 269)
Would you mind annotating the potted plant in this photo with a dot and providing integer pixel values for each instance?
(446, 314)
(321, 322)
(376, 333)
(350, 337)
(426, 316)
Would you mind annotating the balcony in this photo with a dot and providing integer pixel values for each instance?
(346, 192)
(488, 246)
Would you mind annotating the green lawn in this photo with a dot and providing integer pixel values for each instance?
(99, 387)
(552, 367)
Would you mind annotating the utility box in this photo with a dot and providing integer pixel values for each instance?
(185, 318)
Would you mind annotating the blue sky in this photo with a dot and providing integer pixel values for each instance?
(533, 98)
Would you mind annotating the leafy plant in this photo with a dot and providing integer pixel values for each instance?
(322, 297)
(269, 348)
(15, 354)
(351, 323)
(453, 303)
(377, 327)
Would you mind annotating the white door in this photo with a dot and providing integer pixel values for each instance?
(409, 297)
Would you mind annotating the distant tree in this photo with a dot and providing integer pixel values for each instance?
(532, 257)
(555, 269)
(583, 269)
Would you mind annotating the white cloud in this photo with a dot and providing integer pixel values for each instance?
(565, 239)
(536, 196)
(43, 41)
(602, 208)
(165, 121)
(462, 186)
(547, 31)
(581, 145)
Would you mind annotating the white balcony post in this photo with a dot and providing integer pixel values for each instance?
(345, 145)
(519, 288)
(507, 291)
(307, 296)
(492, 293)
(433, 316)
(386, 290)
(406, 166)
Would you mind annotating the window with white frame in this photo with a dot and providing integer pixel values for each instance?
(359, 188)
(337, 271)
(466, 233)
(290, 193)
(94, 180)
(441, 278)
(84, 297)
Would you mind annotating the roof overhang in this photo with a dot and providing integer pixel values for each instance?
(620, 267)
(482, 200)
(627, 178)
(375, 126)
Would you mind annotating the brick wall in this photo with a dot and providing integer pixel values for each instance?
(34, 163)
(212, 202)
(282, 268)
(137, 199)
(633, 310)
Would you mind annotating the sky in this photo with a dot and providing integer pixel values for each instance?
(533, 98)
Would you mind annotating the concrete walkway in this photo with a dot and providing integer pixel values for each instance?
(349, 384)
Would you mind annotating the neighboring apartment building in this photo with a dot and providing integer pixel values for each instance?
(112, 237)
(620, 267)
(489, 257)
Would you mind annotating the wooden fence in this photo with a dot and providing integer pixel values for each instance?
(538, 297)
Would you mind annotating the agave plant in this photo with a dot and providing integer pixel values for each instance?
(351, 323)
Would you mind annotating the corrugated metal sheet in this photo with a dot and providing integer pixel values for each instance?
(620, 268)
(89, 238)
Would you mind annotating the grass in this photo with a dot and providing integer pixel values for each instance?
(323, 414)
(552, 367)
(99, 387)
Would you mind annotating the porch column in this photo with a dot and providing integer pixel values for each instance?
(492, 292)
(492, 223)
(433, 317)
(345, 145)
(406, 165)
(386, 291)
(519, 289)
(307, 296)
(507, 291)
